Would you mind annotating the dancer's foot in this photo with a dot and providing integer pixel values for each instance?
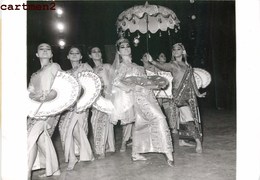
(183, 143)
(198, 146)
(170, 158)
(110, 151)
(129, 143)
(123, 147)
(138, 157)
(170, 162)
(42, 175)
(71, 164)
(101, 156)
(57, 173)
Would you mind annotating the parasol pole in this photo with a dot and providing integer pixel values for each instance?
(147, 34)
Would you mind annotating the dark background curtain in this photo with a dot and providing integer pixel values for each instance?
(209, 39)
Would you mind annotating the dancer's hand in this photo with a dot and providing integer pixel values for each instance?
(46, 96)
(202, 95)
(35, 97)
(149, 57)
(144, 58)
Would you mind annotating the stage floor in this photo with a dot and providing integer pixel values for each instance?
(217, 162)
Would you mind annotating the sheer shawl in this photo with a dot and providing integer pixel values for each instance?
(111, 90)
(112, 76)
(121, 100)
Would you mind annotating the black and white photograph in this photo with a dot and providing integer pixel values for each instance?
(130, 90)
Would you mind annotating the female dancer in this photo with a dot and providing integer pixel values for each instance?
(103, 130)
(41, 152)
(183, 109)
(74, 125)
(161, 59)
(134, 103)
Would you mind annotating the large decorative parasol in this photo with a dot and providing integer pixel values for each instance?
(147, 19)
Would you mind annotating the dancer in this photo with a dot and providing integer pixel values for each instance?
(74, 125)
(135, 103)
(183, 109)
(41, 152)
(103, 130)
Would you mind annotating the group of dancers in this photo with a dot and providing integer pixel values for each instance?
(149, 122)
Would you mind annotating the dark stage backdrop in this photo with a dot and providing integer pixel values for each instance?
(209, 39)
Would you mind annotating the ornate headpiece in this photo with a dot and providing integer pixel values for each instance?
(183, 48)
(120, 41)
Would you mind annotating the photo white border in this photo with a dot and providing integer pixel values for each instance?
(248, 89)
(14, 60)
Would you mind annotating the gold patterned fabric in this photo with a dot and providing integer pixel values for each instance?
(40, 83)
(151, 132)
(68, 123)
(184, 96)
(103, 129)
(123, 101)
(49, 160)
(103, 132)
